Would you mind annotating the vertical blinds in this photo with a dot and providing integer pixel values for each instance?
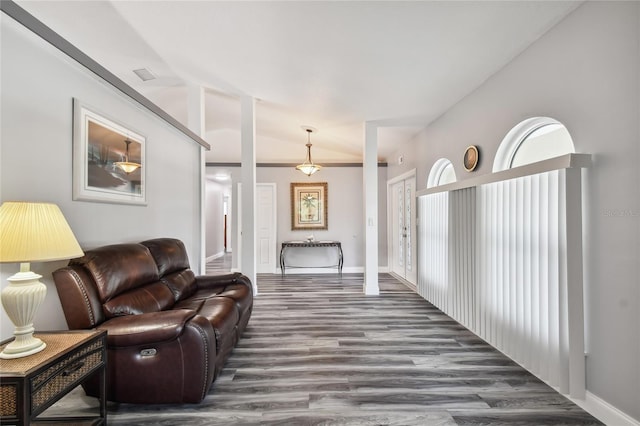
(495, 258)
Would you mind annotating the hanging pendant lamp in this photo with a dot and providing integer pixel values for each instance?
(308, 168)
(127, 166)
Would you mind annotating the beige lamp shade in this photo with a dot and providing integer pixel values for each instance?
(35, 232)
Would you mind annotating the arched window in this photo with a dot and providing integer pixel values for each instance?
(532, 140)
(441, 173)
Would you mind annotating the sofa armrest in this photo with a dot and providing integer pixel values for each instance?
(221, 281)
(142, 329)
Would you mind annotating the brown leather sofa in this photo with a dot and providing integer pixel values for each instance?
(169, 332)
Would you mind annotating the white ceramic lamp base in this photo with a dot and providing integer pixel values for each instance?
(21, 300)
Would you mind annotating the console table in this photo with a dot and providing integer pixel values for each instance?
(287, 245)
(30, 385)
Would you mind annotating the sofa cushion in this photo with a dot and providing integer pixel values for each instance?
(221, 312)
(182, 284)
(234, 286)
(119, 267)
(192, 304)
(223, 315)
(170, 254)
(150, 298)
(241, 294)
(206, 293)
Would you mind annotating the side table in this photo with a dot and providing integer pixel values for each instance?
(31, 384)
(311, 244)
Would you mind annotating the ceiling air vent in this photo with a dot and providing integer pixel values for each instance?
(144, 74)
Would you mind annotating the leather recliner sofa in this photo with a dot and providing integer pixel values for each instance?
(169, 332)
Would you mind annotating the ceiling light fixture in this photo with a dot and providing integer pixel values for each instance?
(126, 165)
(308, 168)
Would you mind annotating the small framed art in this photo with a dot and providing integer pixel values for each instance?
(309, 206)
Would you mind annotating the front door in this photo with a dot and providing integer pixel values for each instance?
(402, 228)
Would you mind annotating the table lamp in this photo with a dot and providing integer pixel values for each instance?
(30, 232)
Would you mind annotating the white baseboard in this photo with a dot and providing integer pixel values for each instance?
(605, 412)
(345, 270)
(409, 285)
(300, 271)
(215, 256)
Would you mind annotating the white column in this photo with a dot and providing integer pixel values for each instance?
(248, 179)
(196, 123)
(575, 283)
(370, 192)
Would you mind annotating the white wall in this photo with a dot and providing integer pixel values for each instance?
(409, 151)
(585, 72)
(38, 85)
(345, 204)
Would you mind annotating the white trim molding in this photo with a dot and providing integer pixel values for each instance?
(436, 171)
(214, 256)
(513, 139)
(409, 174)
(603, 411)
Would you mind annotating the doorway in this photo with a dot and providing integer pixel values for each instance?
(402, 226)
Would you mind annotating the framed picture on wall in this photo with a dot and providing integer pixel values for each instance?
(108, 159)
(309, 206)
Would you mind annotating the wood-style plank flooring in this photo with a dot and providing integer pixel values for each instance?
(319, 352)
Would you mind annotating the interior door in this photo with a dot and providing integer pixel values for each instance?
(266, 228)
(402, 228)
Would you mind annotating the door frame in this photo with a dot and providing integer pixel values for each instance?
(390, 183)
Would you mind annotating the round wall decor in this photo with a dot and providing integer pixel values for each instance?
(471, 158)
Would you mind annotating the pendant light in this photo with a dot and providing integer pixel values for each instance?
(308, 168)
(126, 165)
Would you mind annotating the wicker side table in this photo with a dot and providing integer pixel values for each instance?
(30, 385)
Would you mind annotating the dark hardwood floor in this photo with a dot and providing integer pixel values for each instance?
(319, 352)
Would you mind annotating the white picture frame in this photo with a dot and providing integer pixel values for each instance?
(102, 148)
